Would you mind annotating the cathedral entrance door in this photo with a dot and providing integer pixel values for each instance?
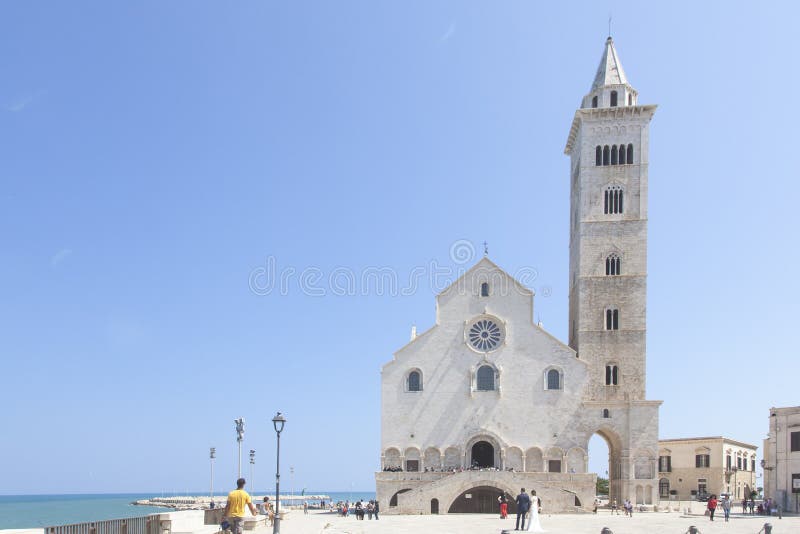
(482, 454)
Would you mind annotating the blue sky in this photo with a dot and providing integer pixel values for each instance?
(157, 157)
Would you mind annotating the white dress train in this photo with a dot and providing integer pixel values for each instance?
(533, 517)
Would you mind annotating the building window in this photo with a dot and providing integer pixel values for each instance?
(414, 381)
(598, 155)
(485, 378)
(594, 101)
(412, 465)
(795, 445)
(612, 375)
(612, 319)
(485, 289)
(702, 460)
(613, 99)
(663, 488)
(606, 413)
(606, 153)
(738, 462)
(702, 487)
(630, 99)
(614, 155)
(612, 265)
(554, 466)
(553, 379)
(728, 462)
(665, 464)
(629, 159)
(613, 200)
(622, 154)
(744, 464)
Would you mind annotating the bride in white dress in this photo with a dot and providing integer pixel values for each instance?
(533, 519)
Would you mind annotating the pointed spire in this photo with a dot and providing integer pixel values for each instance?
(610, 71)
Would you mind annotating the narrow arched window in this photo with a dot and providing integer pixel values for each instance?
(605, 155)
(612, 265)
(553, 379)
(630, 154)
(594, 101)
(414, 381)
(485, 378)
(614, 159)
(612, 319)
(613, 200)
(622, 154)
(484, 289)
(630, 99)
(598, 155)
(613, 99)
(612, 375)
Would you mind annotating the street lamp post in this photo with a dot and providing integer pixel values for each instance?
(278, 421)
(239, 437)
(212, 454)
(252, 463)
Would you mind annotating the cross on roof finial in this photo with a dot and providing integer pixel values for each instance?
(485, 248)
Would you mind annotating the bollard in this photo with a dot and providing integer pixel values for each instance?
(767, 528)
(606, 530)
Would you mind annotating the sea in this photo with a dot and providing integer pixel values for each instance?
(39, 511)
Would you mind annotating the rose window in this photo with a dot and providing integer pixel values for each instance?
(485, 335)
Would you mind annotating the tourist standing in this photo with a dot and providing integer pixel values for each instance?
(523, 505)
(370, 508)
(726, 507)
(234, 510)
(376, 510)
(305, 507)
(712, 506)
(503, 506)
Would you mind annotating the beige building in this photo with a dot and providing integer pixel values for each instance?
(713, 465)
(782, 458)
(486, 401)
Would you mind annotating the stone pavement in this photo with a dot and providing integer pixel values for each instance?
(649, 523)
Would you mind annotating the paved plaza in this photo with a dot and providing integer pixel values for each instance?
(650, 523)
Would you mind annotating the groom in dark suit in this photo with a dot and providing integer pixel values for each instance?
(523, 505)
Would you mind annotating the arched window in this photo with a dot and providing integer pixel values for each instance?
(606, 413)
(622, 154)
(663, 488)
(612, 265)
(612, 201)
(553, 379)
(598, 155)
(612, 375)
(629, 159)
(613, 99)
(485, 289)
(414, 381)
(605, 155)
(594, 101)
(614, 158)
(485, 378)
(612, 319)
(630, 99)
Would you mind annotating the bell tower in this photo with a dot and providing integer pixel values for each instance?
(608, 149)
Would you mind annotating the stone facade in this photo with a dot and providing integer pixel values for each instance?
(486, 402)
(782, 458)
(712, 465)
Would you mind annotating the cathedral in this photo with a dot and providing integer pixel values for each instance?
(486, 402)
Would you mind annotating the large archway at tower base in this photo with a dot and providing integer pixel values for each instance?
(481, 500)
(605, 450)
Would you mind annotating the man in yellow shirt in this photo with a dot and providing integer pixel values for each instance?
(234, 510)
